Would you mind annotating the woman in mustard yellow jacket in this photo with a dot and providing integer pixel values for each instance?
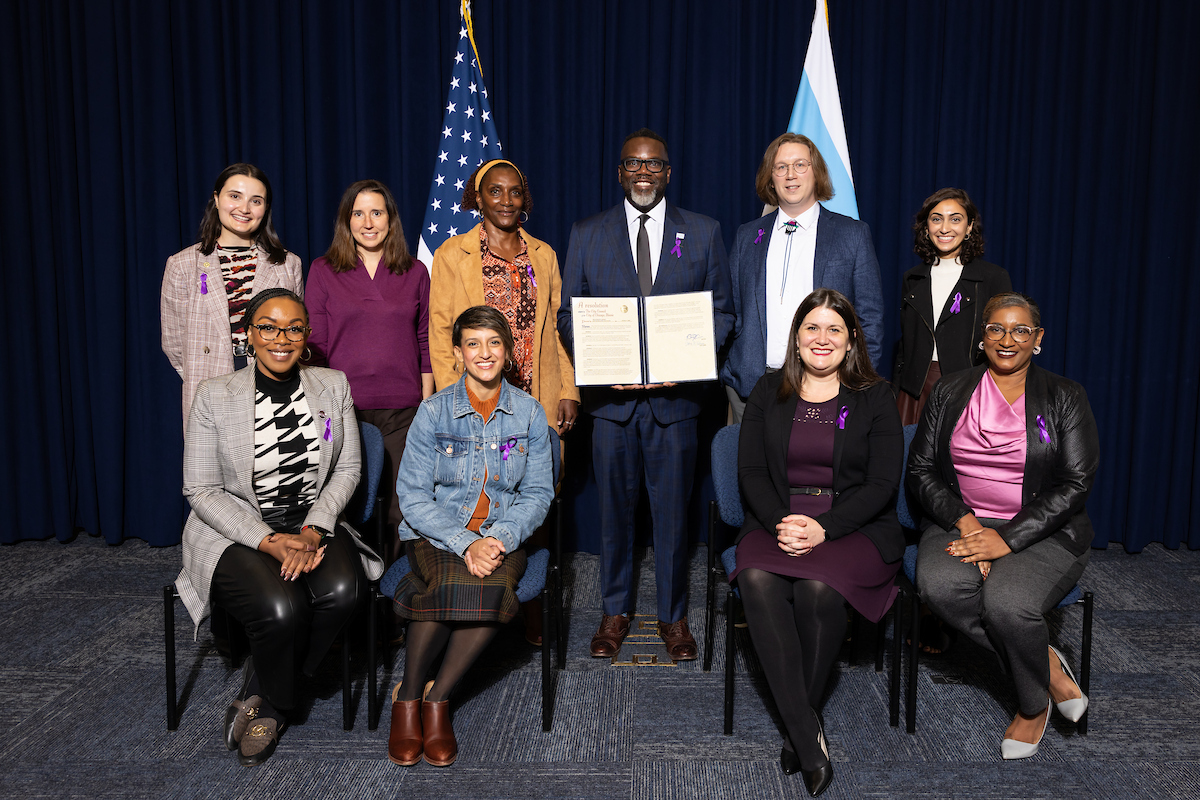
(498, 264)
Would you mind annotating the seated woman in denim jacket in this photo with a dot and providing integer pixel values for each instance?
(475, 482)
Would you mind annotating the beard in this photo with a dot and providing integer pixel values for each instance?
(643, 198)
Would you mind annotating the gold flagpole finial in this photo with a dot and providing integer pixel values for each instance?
(465, 11)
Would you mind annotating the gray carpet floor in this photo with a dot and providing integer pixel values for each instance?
(82, 707)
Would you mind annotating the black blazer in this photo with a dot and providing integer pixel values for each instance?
(1058, 473)
(868, 456)
(958, 335)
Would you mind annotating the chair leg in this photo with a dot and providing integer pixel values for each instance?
(855, 627)
(894, 677)
(169, 596)
(729, 602)
(1085, 657)
(880, 629)
(560, 625)
(373, 597)
(547, 675)
(710, 595)
(914, 651)
(347, 717)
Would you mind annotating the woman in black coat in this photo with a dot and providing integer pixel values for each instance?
(941, 301)
(1002, 464)
(819, 462)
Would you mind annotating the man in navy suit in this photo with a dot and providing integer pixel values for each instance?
(645, 246)
(777, 260)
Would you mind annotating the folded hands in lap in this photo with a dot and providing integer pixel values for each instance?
(978, 545)
(295, 552)
(798, 534)
(484, 556)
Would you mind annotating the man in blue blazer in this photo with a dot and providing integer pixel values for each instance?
(645, 246)
(777, 260)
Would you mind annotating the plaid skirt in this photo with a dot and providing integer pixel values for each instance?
(439, 587)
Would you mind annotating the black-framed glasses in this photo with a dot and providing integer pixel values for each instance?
(293, 333)
(799, 167)
(652, 164)
(1020, 334)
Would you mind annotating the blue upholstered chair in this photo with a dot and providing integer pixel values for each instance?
(359, 511)
(543, 576)
(727, 508)
(1074, 597)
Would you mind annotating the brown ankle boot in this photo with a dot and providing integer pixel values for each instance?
(441, 748)
(405, 738)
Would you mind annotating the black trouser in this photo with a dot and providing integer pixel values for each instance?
(289, 624)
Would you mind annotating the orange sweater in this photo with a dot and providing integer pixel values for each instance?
(485, 409)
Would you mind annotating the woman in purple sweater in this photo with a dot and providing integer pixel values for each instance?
(368, 302)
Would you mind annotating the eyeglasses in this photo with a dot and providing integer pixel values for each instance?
(1020, 334)
(799, 167)
(652, 164)
(295, 333)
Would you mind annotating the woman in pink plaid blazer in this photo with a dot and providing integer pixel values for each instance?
(207, 286)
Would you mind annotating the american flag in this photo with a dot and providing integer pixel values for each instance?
(468, 139)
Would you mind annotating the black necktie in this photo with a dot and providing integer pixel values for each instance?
(645, 275)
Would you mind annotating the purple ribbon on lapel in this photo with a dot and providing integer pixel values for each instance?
(506, 447)
(954, 309)
(204, 283)
(1042, 434)
(677, 250)
(845, 412)
(529, 269)
(329, 429)
(758, 238)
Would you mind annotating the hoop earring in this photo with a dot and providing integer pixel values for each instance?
(307, 355)
(981, 345)
(509, 365)
(524, 217)
(1037, 349)
(967, 238)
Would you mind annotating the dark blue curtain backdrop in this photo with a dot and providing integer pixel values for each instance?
(1071, 124)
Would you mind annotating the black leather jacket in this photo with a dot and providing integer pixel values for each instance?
(1058, 473)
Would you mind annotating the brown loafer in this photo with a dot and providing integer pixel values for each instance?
(259, 741)
(238, 717)
(405, 738)
(681, 645)
(441, 748)
(613, 630)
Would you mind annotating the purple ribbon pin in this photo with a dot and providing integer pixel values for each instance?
(529, 269)
(954, 309)
(1042, 434)
(677, 250)
(506, 447)
(329, 429)
(845, 412)
(758, 238)
(204, 283)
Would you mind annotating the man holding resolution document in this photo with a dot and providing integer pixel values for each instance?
(645, 246)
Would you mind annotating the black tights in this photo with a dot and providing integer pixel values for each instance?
(463, 642)
(797, 626)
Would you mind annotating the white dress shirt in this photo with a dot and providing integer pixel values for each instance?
(789, 278)
(654, 231)
(943, 275)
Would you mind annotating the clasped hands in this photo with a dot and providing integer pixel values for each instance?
(798, 534)
(484, 556)
(297, 553)
(978, 545)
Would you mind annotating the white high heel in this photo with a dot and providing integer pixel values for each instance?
(1011, 749)
(1075, 708)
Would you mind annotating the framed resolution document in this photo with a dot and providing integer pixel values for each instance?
(641, 340)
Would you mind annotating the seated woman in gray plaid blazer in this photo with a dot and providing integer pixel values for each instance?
(475, 482)
(270, 460)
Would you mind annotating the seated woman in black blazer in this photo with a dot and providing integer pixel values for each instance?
(1002, 463)
(819, 461)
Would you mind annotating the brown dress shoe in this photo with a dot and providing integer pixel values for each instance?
(259, 741)
(681, 645)
(405, 739)
(441, 748)
(613, 630)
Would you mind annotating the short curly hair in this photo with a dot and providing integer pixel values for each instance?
(972, 248)
(470, 200)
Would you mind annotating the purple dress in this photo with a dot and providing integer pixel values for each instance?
(850, 564)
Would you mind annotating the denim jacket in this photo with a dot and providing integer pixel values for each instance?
(442, 471)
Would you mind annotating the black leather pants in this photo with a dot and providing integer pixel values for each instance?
(290, 624)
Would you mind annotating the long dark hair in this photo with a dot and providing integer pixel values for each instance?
(855, 372)
(342, 255)
(972, 247)
(765, 186)
(210, 224)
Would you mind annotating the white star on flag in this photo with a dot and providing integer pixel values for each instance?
(468, 139)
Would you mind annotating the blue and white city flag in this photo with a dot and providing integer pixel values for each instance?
(468, 139)
(818, 114)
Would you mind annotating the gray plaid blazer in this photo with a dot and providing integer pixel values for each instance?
(218, 474)
(195, 326)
